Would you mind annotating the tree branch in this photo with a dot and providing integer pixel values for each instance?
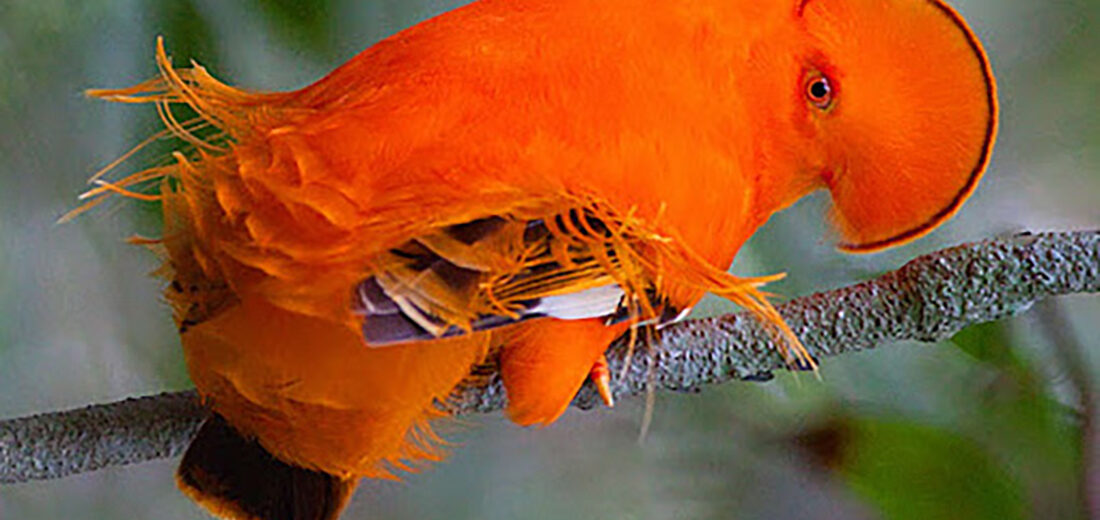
(928, 299)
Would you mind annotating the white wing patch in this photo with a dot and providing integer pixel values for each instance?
(589, 303)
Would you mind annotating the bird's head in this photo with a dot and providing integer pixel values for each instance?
(901, 111)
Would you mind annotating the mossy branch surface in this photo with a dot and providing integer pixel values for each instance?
(928, 299)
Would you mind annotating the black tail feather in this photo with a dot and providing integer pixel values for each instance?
(236, 478)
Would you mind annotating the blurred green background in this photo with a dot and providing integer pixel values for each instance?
(988, 425)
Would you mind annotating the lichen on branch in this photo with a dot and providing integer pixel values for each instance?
(928, 299)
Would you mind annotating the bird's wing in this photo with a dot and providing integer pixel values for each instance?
(501, 270)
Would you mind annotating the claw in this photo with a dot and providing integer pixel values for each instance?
(601, 376)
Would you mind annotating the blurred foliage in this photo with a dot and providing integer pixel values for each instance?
(915, 472)
(989, 343)
(307, 24)
(984, 426)
(184, 25)
(912, 471)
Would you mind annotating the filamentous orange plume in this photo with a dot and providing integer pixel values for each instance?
(520, 182)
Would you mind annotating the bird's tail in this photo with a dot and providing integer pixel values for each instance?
(236, 478)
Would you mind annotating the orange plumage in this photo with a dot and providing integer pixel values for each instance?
(524, 179)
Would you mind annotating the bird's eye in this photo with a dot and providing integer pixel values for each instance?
(819, 91)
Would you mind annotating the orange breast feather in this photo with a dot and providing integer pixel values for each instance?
(517, 182)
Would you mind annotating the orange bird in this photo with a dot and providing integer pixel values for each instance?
(520, 182)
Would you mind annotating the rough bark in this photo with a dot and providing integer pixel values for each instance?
(928, 299)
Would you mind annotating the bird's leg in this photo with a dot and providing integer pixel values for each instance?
(600, 375)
